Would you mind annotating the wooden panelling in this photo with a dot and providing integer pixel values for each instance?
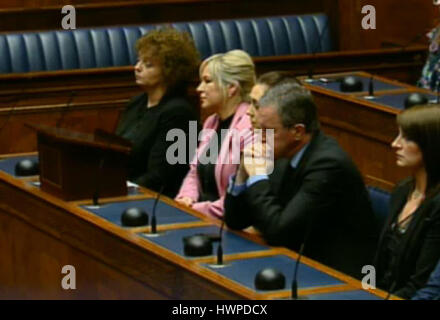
(92, 3)
(105, 13)
(44, 258)
(398, 23)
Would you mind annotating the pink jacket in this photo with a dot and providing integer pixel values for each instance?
(225, 166)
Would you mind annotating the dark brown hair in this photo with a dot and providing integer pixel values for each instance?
(273, 78)
(421, 124)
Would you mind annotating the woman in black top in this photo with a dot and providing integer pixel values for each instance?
(168, 60)
(409, 247)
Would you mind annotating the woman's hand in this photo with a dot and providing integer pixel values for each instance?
(186, 201)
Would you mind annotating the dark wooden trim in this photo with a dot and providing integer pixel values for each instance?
(149, 12)
(395, 27)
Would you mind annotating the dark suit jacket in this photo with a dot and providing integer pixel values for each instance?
(419, 248)
(432, 289)
(325, 197)
(147, 130)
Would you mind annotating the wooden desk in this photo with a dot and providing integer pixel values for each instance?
(364, 128)
(39, 234)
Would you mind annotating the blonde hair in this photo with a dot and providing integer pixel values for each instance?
(233, 67)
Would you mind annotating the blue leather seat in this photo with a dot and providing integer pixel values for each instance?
(114, 46)
(380, 202)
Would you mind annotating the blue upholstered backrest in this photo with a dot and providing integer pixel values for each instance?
(380, 201)
(114, 46)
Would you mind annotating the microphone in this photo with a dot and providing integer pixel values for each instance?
(391, 289)
(371, 87)
(220, 242)
(295, 274)
(201, 245)
(220, 233)
(310, 73)
(107, 138)
(353, 84)
(65, 108)
(314, 51)
(370, 95)
(300, 254)
(97, 184)
(95, 196)
(153, 218)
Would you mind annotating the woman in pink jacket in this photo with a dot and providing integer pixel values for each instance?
(226, 80)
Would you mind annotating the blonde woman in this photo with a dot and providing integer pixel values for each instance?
(225, 83)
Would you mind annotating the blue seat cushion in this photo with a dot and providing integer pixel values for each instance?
(115, 46)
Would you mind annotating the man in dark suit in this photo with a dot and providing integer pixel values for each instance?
(431, 291)
(315, 194)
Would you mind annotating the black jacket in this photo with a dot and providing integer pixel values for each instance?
(324, 197)
(419, 248)
(147, 129)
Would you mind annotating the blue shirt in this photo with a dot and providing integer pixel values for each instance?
(432, 289)
(235, 189)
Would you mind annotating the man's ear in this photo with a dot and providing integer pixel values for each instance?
(298, 131)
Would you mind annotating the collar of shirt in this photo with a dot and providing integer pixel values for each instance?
(298, 156)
